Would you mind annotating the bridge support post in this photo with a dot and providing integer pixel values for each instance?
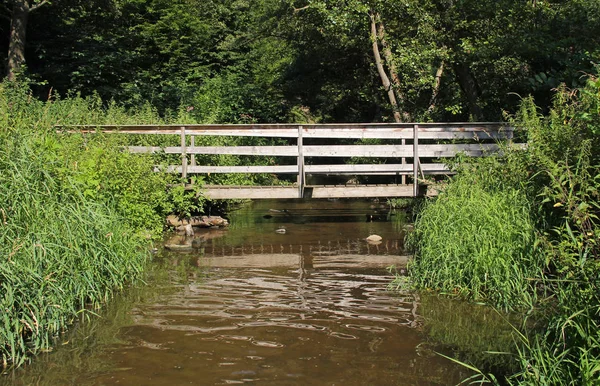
(193, 155)
(415, 160)
(184, 160)
(300, 164)
(403, 178)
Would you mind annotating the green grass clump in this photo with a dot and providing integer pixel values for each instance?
(523, 229)
(476, 243)
(73, 219)
(60, 254)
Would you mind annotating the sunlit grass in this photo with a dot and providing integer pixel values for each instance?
(476, 243)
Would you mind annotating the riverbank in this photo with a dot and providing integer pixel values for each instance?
(77, 218)
(520, 232)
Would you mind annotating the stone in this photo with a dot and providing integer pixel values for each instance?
(179, 247)
(197, 221)
(189, 230)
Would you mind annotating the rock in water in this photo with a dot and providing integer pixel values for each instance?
(189, 231)
(374, 238)
(179, 247)
(280, 231)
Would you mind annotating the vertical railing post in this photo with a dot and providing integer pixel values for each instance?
(184, 160)
(300, 164)
(415, 160)
(403, 163)
(193, 155)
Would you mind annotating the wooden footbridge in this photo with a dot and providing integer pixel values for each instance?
(405, 152)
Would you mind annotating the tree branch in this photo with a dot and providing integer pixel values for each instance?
(387, 85)
(296, 10)
(389, 60)
(34, 7)
(436, 87)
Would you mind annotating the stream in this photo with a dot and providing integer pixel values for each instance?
(290, 294)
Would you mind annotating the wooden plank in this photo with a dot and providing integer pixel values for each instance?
(344, 130)
(352, 169)
(358, 169)
(361, 191)
(357, 151)
(270, 133)
(301, 175)
(398, 151)
(378, 169)
(450, 150)
(291, 151)
(269, 192)
(147, 149)
(200, 169)
(378, 151)
(249, 192)
(406, 133)
(282, 151)
(192, 146)
(184, 160)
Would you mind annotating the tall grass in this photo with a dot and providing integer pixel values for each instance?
(70, 232)
(476, 243)
(524, 230)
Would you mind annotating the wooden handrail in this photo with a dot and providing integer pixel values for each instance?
(417, 141)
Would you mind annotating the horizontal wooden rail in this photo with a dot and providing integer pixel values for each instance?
(406, 149)
(468, 130)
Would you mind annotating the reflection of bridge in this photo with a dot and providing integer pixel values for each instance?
(406, 152)
(339, 254)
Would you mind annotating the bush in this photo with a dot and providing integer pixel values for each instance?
(483, 225)
(72, 213)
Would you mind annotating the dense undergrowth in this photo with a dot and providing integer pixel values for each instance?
(520, 232)
(76, 213)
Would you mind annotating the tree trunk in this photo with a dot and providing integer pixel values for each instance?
(389, 60)
(469, 87)
(18, 35)
(385, 80)
(18, 31)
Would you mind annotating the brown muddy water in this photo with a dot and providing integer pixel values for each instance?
(310, 306)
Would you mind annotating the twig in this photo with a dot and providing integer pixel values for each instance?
(34, 7)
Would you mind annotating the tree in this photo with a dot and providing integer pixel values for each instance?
(18, 33)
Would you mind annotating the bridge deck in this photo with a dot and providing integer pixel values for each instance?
(221, 192)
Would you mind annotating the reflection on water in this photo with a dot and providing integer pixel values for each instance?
(308, 307)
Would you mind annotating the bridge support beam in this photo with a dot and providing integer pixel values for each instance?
(220, 192)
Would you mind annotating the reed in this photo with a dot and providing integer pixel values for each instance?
(527, 227)
(64, 250)
(476, 243)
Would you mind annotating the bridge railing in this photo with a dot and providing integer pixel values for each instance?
(404, 149)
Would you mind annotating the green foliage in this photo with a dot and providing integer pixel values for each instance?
(186, 201)
(567, 351)
(95, 166)
(61, 254)
(75, 211)
(476, 243)
(556, 260)
(264, 59)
